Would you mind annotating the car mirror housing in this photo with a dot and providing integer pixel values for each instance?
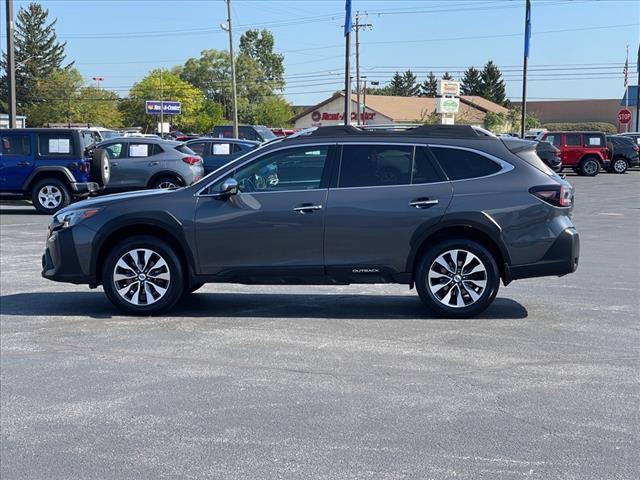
(229, 187)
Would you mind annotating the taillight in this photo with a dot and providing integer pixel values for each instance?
(556, 195)
(191, 160)
(636, 148)
(84, 167)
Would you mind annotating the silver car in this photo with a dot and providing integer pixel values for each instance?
(138, 163)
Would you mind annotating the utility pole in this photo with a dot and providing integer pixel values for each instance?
(161, 105)
(357, 28)
(527, 40)
(233, 71)
(347, 63)
(638, 94)
(11, 66)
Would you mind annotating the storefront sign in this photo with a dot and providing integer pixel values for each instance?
(318, 116)
(448, 88)
(152, 107)
(447, 105)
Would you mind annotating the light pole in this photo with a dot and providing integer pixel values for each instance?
(11, 66)
(228, 28)
(98, 80)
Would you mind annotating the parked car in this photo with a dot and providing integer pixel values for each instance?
(467, 210)
(217, 152)
(623, 154)
(634, 135)
(257, 133)
(584, 152)
(141, 162)
(549, 155)
(50, 166)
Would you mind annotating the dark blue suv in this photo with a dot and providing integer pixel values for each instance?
(50, 166)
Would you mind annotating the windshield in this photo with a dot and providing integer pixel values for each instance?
(109, 134)
(265, 133)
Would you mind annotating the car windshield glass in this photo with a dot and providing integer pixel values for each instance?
(265, 133)
(185, 149)
(109, 134)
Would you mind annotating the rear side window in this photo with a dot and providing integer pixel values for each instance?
(375, 165)
(221, 149)
(15, 145)
(423, 169)
(553, 139)
(460, 164)
(198, 147)
(55, 144)
(574, 139)
(182, 149)
(594, 141)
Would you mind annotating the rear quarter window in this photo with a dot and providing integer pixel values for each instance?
(185, 149)
(594, 141)
(55, 144)
(461, 164)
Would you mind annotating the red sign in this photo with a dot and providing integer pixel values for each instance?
(317, 116)
(624, 116)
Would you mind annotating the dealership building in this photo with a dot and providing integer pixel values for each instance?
(387, 109)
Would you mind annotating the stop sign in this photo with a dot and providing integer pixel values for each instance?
(624, 116)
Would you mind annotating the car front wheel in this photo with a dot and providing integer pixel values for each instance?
(457, 278)
(619, 165)
(143, 276)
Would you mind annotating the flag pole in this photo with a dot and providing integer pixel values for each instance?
(347, 66)
(638, 94)
(527, 39)
(626, 86)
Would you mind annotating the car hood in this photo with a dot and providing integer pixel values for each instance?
(105, 200)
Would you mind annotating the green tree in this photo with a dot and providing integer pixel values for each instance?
(411, 87)
(514, 118)
(37, 53)
(273, 111)
(447, 76)
(471, 82)
(258, 45)
(429, 88)
(98, 107)
(173, 88)
(495, 122)
(396, 86)
(493, 87)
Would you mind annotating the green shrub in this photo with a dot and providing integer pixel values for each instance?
(583, 126)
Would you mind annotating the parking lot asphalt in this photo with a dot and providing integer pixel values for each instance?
(252, 382)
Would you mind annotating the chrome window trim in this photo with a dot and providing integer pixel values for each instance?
(257, 158)
(504, 165)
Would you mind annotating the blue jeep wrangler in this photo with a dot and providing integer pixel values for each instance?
(50, 166)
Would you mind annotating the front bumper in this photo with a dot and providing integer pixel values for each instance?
(85, 188)
(561, 259)
(61, 259)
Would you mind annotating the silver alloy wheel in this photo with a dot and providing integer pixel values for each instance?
(457, 278)
(50, 196)
(620, 166)
(167, 184)
(591, 167)
(141, 276)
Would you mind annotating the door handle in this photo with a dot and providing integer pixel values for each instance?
(23, 164)
(423, 203)
(307, 208)
(153, 164)
(113, 164)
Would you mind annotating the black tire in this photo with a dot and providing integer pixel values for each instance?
(453, 286)
(619, 165)
(165, 182)
(589, 167)
(50, 195)
(139, 303)
(100, 167)
(194, 287)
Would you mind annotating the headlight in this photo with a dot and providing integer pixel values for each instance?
(71, 218)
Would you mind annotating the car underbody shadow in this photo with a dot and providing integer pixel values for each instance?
(250, 305)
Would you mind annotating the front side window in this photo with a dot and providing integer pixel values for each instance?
(114, 150)
(220, 149)
(198, 147)
(375, 165)
(299, 168)
(553, 139)
(460, 164)
(423, 169)
(574, 140)
(15, 145)
(55, 144)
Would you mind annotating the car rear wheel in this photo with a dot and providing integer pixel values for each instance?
(50, 195)
(143, 276)
(457, 278)
(619, 165)
(170, 183)
(589, 167)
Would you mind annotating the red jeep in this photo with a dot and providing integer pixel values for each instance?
(584, 152)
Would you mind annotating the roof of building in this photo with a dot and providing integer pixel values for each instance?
(411, 109)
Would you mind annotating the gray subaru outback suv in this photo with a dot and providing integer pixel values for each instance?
(451, 210)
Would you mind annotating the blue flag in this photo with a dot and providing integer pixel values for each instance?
(347, 17)
(527, 29)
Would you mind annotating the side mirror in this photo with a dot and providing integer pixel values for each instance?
(229, 187)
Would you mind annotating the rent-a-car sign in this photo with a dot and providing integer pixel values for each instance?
(153, 107)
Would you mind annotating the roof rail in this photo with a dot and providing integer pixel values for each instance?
(445, 131)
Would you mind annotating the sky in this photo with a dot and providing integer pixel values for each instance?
(578, 47)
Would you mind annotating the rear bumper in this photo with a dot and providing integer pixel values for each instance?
(561, 259)
(80, 188)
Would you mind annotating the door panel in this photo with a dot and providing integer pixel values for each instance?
(16, 161)
(258, 230)
(374, 226)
